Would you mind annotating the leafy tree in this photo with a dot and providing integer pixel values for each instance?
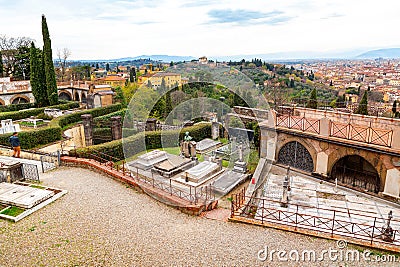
(119, 96)
(15, 51)
(51, 83)
(39, 90)
(129, 90)
(22, 63)
(1, 65)
(363, 105)
(312, 102)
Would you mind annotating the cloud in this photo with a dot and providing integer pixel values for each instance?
(246, 17)
(333, 15)
(198, 3)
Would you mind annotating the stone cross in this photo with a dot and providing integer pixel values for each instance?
(240, 148)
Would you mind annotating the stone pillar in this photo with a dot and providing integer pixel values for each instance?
(322, 164)
(215, 130)
(392, 183)
(88, 128)
(116, 127)
(324, 127)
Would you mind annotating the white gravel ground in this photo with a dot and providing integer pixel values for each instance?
(101, 222)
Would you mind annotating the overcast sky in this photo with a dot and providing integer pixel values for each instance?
(94, 29)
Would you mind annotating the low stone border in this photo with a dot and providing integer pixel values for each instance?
(37, 207)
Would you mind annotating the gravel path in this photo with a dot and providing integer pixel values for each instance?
(101, 222)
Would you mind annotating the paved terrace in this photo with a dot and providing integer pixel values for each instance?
(102, 222)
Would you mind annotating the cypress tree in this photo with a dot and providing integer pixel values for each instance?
(51, 83)
(312, 102)
(37, 88)
(394, 108)
(363, 106)
(1, 65)
(132, 74)
(168, 107)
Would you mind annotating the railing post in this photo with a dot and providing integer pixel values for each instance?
(373, 231)
(333, 221)
(262, 212)
(195, 196)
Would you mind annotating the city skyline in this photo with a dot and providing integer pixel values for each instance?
(116, 29)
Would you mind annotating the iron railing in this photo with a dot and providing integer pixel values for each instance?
(194, 195)
(298, 123)
(364, 134)
(263, 210)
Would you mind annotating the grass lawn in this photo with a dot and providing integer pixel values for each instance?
(13, 211)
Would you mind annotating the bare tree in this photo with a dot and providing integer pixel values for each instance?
(11, 48)
(63, 55)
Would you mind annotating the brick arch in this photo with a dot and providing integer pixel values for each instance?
(2, 103)
(20, 96)
(372, 158)
(76, 96)
(61, 92)
(285, 139)
(83, 97)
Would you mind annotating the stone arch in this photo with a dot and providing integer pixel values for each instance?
(376, 160)
(65, 95)
(357, 172)
(83, 98)
(76, 96)
(297, 153)
(17, 99)
(2, 103)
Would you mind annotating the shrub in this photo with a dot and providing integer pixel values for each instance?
(26, 113)
(134, 144)
(76, 117)
(42, 136)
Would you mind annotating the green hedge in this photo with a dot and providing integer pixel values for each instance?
(134, 144)
(17, 107)
(36, 138)
(42, 136)
(23, 114)
(76, 117)
(121, 113)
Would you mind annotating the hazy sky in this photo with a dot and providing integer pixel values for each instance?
(94, 29)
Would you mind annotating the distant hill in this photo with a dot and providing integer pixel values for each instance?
(162, 58)
(381, 53)
(165, 58)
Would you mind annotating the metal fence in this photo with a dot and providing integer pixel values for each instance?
(298, 123)
(363, 134)
(262, 210)
(194, 195)
(30, 172)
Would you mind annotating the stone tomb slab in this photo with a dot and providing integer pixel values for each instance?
(23, 196)
(201, 172)
(148, 160)
(206, 145)
(227, 181)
